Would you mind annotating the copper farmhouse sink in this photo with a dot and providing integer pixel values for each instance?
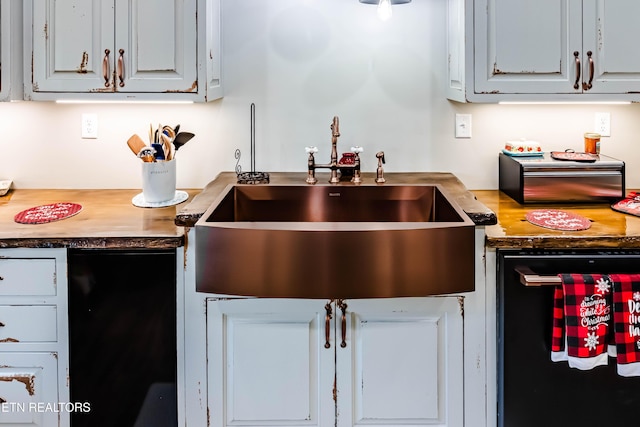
(325, 241)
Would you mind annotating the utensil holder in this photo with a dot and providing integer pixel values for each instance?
(158, 181)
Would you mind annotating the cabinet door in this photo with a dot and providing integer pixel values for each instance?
(156, 46)
(527, 46)
(28, 389)
(70, 38)
(402, 363)
(267, 363)
(611, 32)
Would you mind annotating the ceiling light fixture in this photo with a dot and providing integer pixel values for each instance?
(384, 7)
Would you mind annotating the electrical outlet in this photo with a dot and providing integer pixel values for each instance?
(603, 124)
(89, 126)
(463, 125)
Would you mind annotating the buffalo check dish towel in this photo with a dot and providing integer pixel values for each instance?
(558, 348)
(626, 318)
(587, 316)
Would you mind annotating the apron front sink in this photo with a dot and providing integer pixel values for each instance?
(324, 241)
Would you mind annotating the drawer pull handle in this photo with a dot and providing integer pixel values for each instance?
(1, 278)
(343, 308)
(576, 54)
(327, 326)
(105, 68)
(1, 325)
(121, 67)
(587, 86)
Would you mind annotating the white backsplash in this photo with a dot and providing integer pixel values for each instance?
(302, 62)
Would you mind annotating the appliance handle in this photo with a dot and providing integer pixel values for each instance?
(529, 278)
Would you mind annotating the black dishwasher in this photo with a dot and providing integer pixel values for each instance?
(533, 391)
(122, 336)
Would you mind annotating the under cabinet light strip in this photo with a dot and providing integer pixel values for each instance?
(80, 101)
(564, 102)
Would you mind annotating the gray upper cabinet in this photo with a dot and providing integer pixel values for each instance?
(122, 50)
(548, 50)
(10, 50)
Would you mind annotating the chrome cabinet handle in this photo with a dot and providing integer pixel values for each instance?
(343, 308)
(105, 68)
(121, 67)
(589, 85)
(576, 55)
(327, 325)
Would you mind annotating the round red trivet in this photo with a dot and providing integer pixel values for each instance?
(47, 213)
(629, 205)
(557, 220)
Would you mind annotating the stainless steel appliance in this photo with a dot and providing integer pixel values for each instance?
(539, 179)
(533, 391)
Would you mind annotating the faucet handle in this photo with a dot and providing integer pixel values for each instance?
(311, 149)
(357, 149)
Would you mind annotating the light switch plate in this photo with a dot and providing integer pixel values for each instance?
(463, 125)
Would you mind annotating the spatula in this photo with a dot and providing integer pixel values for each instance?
(136, 144)
(181, 139)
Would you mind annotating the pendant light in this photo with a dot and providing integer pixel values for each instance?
(384, 7)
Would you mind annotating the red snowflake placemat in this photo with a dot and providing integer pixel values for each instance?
(47, 213)
(557, 220)
(629, 205)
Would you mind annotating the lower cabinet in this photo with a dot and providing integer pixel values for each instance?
(34, 354)
(29, 389)
(388, 362)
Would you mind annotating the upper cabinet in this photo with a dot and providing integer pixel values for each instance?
(548, 50)
(10, 50)
(123, 49)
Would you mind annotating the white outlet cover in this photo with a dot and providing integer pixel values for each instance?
(89, 126)
(463, 126)
(603, 124)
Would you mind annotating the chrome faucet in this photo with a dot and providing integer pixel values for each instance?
(334, 164)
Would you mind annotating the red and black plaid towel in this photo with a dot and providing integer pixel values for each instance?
(626, 304)
(558, 348)
(587, 314)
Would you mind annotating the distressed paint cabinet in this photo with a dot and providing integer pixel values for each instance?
(406, 361)
(505, 50)
(10, 50)
(122, 49)
(390, 362)
(34, 356)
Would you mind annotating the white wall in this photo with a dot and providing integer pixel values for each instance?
(302, 62)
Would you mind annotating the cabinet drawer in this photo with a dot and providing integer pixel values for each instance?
(27, 276)
(28, 323)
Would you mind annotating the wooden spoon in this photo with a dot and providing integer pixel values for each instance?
(136, 144)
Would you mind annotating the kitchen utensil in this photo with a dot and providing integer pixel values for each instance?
(181, 139)
(136, 144)
(147, 154)
(166, 146)
(159, 154)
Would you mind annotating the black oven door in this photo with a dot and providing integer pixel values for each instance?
(533, 391)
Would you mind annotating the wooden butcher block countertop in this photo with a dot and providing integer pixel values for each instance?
(108, 219)
(609, 229)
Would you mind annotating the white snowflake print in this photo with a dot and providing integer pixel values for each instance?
(602, 286)
(636, 296)
(591, 341)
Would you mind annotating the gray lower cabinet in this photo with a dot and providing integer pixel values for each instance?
(388, 362)
(34, 358)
